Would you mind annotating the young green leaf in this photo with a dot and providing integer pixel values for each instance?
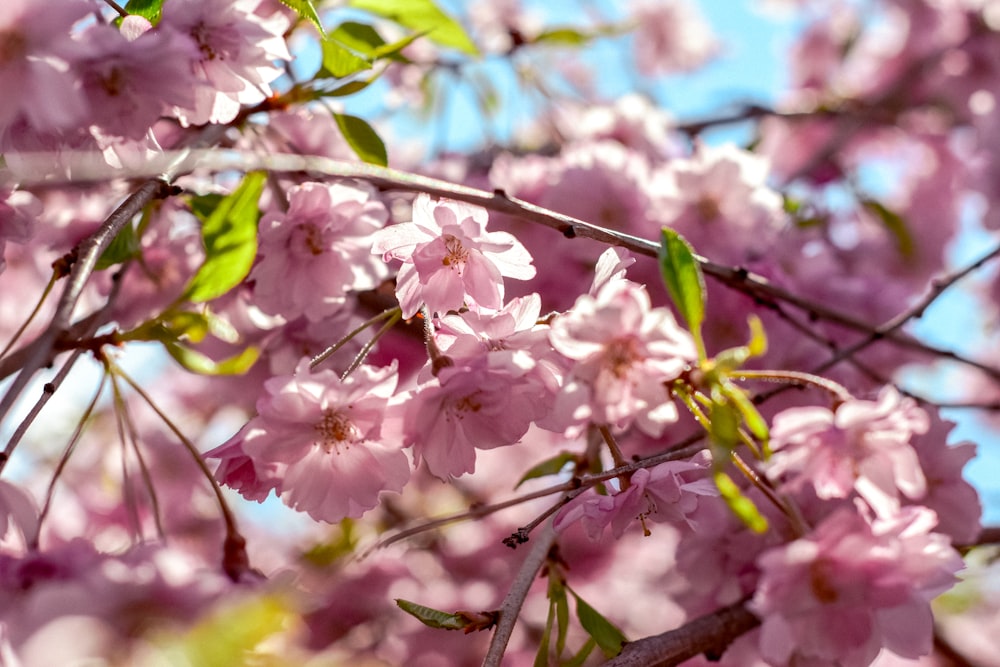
(422, 16)
(148, 9)
(739, 504)
(307, 10)
(432, 617)
(564, 37)
(548, 467)
(751, 416)
(122, 248)
(359, 37)
(340, 61)
(896, 225)
(229, 234)
(362, 139)
(608, 637)
(581, 655)
(196, 362)
(542, 655)
(684, 280)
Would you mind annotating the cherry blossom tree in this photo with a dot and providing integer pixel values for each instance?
(293, 372)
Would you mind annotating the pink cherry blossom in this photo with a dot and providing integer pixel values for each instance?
(254, 479)
(477, 406)
(671, 36)
(950, 495)
(323, 436)
(125, 82)
(449, 259)
(863, 447)
(313, 254)
(719, 200)
(852, 587)
(663, 494)
(34, 62)
(622, 352)
(234, 61)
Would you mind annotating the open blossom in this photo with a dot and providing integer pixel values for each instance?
(234, 58)
(317, 250)
(125, 82)
(864, 446)
(449, 259)
(35, 50)
(670, 37)
(324, 436)
(852, 587)
(488, 403)
(660, 494)
(622, 352)
(719, 200)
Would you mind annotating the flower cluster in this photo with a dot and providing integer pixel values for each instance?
(377, 348)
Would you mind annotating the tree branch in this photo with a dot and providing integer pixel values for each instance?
(737, 278)
(710, 634)
(514, 600)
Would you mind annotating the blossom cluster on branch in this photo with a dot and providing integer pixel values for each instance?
(608, 364)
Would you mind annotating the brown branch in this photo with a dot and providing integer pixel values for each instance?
(87, 253)
(516, 594)
(710, 634)
(737, 278)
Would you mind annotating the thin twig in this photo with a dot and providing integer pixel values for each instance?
(516, 594)
(234, 559)
(64, 459)
(48, 390)
(87, 253)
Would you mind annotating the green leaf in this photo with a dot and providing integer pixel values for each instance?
(562, 618)
(684, 280)
(148, 9)
(307, 10)
(348, 88)
(582, 655)
(340, 61)
(422, 16)
(739, 504)
(359, 37)
(196, 362)
(432, 617)
(724, 424)
(564, 37)
(229, 234)
(123, 247)
(608, 637)
(751, 416)
(362, 139)
(758, 339)
(896, 226)
(542, 655)
(548, 467)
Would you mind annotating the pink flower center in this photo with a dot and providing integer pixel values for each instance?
(619, 356)
(468, 404)
(200, 33)
(307, 239)
(335, 429)
(114, 82)
(708, 208)
(457, 254)
(819, 581)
